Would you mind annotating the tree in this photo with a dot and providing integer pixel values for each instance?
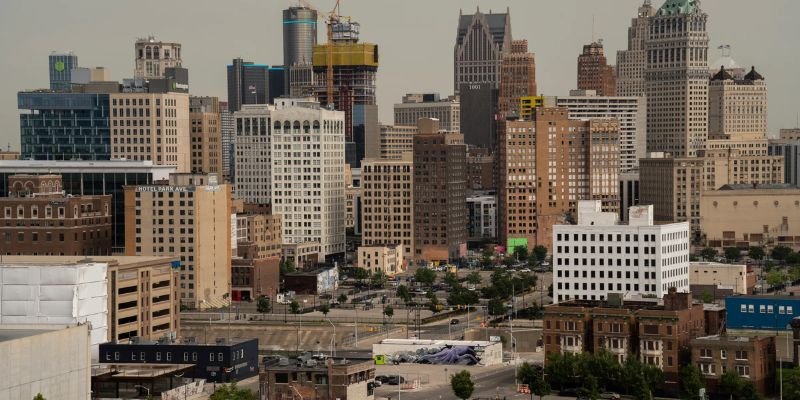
(286, 266)
(534, 378)
(791, 384)
(388, 311)
(459, 296)
(403, 293)
(540, 252)
(776, 277)
(780, 253)
(756, 253)
(295, 307)
(708, 253)
(232, 392)
(691, 382)
(359, 274)
(425, 276)
(324, 309)
(39, 397)
(450, 279)
(733, 253)
(521, 253)
(561, 370)
(793, 258)
(732, 386)
(496, 306)
(474, 278)
(462, 384)
(707, 297)
(434, 305)
(342, 298)
(263, 306)
(379, 278)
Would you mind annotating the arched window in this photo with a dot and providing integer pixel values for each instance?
(287, 127)
(276, 126)
(148, 52)
(316, 126)
(156, 53)
(306, 127)
(296, 126)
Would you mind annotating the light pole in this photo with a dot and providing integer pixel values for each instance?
(145, 388)
(399, 384)
(333, 339)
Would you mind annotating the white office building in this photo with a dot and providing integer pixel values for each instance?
(252, 148)
(482, 212)
(598, 256)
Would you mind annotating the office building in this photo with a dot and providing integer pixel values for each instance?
(366, 135)
(205, 135)
(42, 219)
(51, 360)
(737, 107)
(571, 159)
(386, 259)
(248, 83)
(481, 42)
(396, 140)
(64, 126)
(598, 256)
(387, 191)
(60, 68)
(771, 313)
(344, 379)
(255, 270)
(789, 149)
(594, 73)
(479, 114)
(304, 256)
(480, 169)
(84, 76)
(750, 358)
(790, 134)
(764, 216)
(85, 178)
(308, 187)
(630, 112)
(517, 78)
(632, 61)
(299, 35)
(481, 216)
(252, 154)
(151, 127)
(153, 57)
(737, 278)
(429, 105)
(676, 79)
(440, 192)
(658, 331)
(227, 132)
(301, 80)
(628, 192)
(215, 362)
(189, 218)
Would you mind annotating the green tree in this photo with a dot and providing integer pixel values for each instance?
(756, 253)
(359, 274)
(780, 253)
(791, 384)
(342, 298)
(793, 259)
(496, 306)
(433, 304)
(534, 378)
(708, 253)
(450, 279)
(425, 276)
(263, 305)
(388, 311)
(460, 296)
(232, 392)
(286, 266)
(39, 397)
(540, 252)
(707, 297)
(379, 278)
(776, 277)
(324, 309)
(403, 293)
(462, 385)
(691, 382)
(561, 370)
(732, 386)
(733, 253)
(295, 307)
(521, 253)
(474, 278)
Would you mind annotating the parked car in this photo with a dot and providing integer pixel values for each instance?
(610, 396)
(393, 380)
(525, 270)
(454, 321)
(381, 378)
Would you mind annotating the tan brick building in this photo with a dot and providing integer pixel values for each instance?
(387, 259)
(751, 358)
(388, 203)
(206, 135)
(256, 268)
(40, 219)
(517, 78)
(737, 106)
(594, 73)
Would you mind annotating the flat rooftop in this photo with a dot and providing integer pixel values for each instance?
(14, 332)
(762, 297)
(77, 260)
(726, 338)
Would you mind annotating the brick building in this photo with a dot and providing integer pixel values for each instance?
(594, 73)
(40, 219)
(751, 358)
(255, 269)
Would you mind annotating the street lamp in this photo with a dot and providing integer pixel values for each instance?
(399, 383)
(145, 388)
(333, 339)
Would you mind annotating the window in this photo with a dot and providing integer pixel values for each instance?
(723, 354)
(781, 310)
(770, 309)
(743, 308)
(219, 356)
(741, 354)
(752, 309)
(282, 377)
(762, 309)
(210, 356)
(789, 310)
(743, 370)
(708, 369)
(705, 353)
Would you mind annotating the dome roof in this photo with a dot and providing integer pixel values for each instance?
(753, 75)
(676, 7)
(722, 75)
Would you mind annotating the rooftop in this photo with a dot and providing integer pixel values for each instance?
(747, 186)
(761, 297)
(76, 260)
(9, 333)
(430, 342)
(727, 338)
(36, 166)
(675, 7)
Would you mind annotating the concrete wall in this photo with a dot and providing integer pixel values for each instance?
(492, 351)
(526, 338)
(53, 363)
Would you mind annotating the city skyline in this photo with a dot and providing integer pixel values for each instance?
(206, 52)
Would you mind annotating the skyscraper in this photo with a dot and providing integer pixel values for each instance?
(154, 57)
(60, 67)
(299, 35)
(226, 129)
(205, 135)
(517, 78)
(737, 108)
(676, 79)
(594, 73)
(429, 105)
(631, 62)
(388, 210)
(248, 83)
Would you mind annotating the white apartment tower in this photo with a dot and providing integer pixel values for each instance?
(631, 62)
(308, 173)
(676, 79)
(598, 256)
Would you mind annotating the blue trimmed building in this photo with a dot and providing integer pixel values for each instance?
(770, 313)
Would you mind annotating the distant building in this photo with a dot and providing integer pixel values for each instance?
(480, 169)
(737, 107)
(593, 71)
(479, 114)
(227, 132)
(299, 35)
(248, 83)
(387, 259)
(42, 219)
(387, 188)
(429, 105)
(481, 42)
(255, 269)
(206, 136)
(632, 61)
(482, 216)
(326, 379)
(790, 150)
(790, 134)
(750, 358)
(739, 278)
(60, 68)
(304, 256)
(517, 78)
(153, 57)
(9, 155)
(316, 282)
(628, 192)
(597, 256)
(396, 140)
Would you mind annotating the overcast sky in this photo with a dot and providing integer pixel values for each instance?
(416, 39)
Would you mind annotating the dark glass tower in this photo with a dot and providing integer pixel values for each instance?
(299, 35)
(248, 83)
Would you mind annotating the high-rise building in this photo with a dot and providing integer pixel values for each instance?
(479, 114)
(676, 79)
(206, 135)
(545, 166)
(278, 83)
(41, 219)
(440, 192)
(396, 140)
(632, 61)
(630, 112)
(737, 107)
(252, 154)
(594, 73)
(248, 83)
(366, 135)
(46, 135)
(480, 169)
(227, 133)
(789, 149)
(60, 67)
(429, 105)
(387, 188)
(151, 127)
(308, 173)
(301, 80)
(597, 256)
(189, 218)
(154, 57)
(299, 35)
(517, 78)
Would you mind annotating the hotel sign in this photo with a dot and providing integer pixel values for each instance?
(164, 189)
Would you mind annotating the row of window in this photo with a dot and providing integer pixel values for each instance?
(766, 309)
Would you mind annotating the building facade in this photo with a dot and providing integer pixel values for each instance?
(323, 380)
(676, 79)
(761, 312)
(597, 256)
(737, 277)
(481, 216)
(248, 83)
(151, 127)
(517, 78)
(387, 190)
(253, 154)
(789, 149)
(227, 133)
(631, 62)
(481, 42)
(396, 140)
(153, 57)
(206, 135)
(188, 218)
(60, 66)
(752, 359)
(594, 73)
(64, 126)
(429, 105)
(299, 35)
(386, 259)
(255, 270)
(737, 107)
(41, 219)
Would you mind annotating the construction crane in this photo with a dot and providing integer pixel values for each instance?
(329, 19)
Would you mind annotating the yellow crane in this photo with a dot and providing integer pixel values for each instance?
(330, 19)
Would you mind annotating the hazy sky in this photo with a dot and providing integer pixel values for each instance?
(416, 39)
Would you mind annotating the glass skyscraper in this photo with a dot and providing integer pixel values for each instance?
(60, 67)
